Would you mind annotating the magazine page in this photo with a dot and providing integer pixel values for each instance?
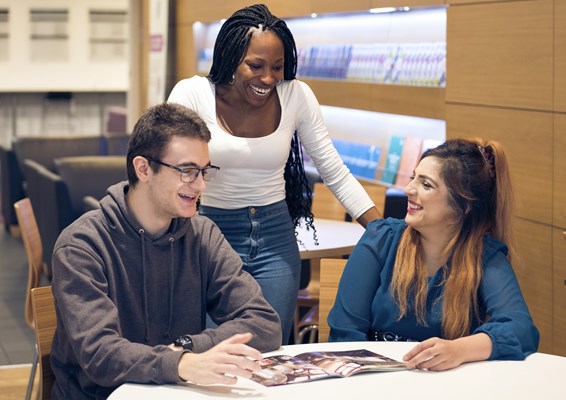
(346, 363)
(283, 370)
(305, 367)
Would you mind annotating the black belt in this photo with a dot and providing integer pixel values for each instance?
(382, 336)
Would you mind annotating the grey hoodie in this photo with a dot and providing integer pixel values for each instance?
(122, 296)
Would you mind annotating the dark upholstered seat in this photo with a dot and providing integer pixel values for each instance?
(89, 176)
(59, 199)
(44, 150)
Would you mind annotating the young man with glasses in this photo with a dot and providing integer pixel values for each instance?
(133, 281)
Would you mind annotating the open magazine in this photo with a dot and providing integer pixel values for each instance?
(305, 367)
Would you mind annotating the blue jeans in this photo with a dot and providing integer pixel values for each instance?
(264, 238)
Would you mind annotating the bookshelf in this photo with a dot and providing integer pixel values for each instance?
(341, 24)
(332, 28)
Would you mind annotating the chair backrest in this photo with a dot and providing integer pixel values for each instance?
(395, 203)
(52, 205)
(89, 176)
(330, 273)
(45, 324)
(34, 250)
(11, 188)
(45, 149)
(325, 204)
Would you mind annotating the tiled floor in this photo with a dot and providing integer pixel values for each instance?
(16, 337)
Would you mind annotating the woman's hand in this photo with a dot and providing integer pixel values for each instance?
(437, 354)
(221, 364)
(370, 215)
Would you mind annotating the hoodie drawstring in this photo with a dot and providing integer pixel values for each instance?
(171, 278)
(144, 276)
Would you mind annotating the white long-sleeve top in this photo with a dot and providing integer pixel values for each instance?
(251, 169)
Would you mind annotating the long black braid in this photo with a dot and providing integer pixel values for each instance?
(231, 45)
(298, 194)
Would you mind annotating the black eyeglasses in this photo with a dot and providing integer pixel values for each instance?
(190, 174)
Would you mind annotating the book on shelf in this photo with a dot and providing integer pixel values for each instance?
(421, 64)
(410, 157)
(393, 159)
(310, 366)
(361, 159)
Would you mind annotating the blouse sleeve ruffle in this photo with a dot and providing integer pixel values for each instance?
(509, 323)
(511, 342)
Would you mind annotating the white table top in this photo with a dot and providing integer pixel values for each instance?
(336, 238)
(540, 376)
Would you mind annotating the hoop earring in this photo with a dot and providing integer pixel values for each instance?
(232, 81)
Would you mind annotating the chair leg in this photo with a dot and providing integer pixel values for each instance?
(32, 373)
(312, 334)
(296, 321)
(311, 330)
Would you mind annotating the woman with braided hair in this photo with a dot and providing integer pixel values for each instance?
(443, 276)
(257, 113)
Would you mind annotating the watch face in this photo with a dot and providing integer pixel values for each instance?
(185, 342)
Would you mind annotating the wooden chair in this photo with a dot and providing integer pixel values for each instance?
(36, 268)
(34, 250)
(45, 323)
(330, 274)
(324, 205)
(308, 298)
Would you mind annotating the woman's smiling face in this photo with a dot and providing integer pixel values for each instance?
(428, 198)
(261, 68)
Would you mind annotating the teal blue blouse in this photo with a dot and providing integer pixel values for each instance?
(364, 299)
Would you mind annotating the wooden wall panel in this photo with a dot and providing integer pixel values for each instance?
(501, 54)
(358, 95)
(144, 70)
(186, 61)
(333, 6)
(534, 272)
(280, 8)
(559, 210)
(560, 56)
(403, 3)
(215, 10)
(527, 139)
(190, 11)
(460, 2)
(559, 292)
(426, 102)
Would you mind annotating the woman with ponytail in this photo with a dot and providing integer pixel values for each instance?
(443, 276)
(260, 116)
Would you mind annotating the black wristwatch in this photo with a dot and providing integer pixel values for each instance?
(185, 342)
